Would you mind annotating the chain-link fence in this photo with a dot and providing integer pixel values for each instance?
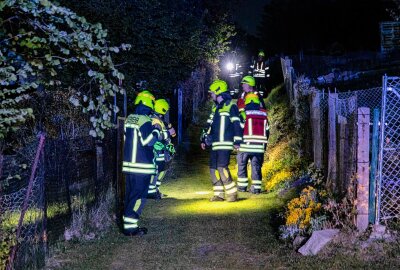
(20, 197)
(69, 171)
(334, 123)
(389, 163)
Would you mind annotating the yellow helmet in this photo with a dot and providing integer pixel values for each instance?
(146, 98)
(218, 87)
(161, 106)
(261, 53)
(251, 97)
(249, 80)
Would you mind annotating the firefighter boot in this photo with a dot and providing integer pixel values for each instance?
(216, 199)
(137, 232)
(232, 197)
(254, 190)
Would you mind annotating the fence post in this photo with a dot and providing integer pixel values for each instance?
(362, 168)
(374, 165)
(316, 129)
(342, 153)
(26, 200)
(99, 167)
(180, 114)
(332, 150)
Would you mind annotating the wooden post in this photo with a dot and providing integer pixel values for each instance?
(180, 104)
(316, 129)
(342, 154)
(332, 151)
(362, 168)
(374, 165)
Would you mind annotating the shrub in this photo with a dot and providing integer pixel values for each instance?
(301, 214)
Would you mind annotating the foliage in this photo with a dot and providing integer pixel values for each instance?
(39, 42)
(394, 10)
(7, 241)
(300, 213)
(169, 38)
(282, 163)
(89, 223)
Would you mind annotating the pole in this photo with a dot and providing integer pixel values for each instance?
(374, 165)
(180, 115)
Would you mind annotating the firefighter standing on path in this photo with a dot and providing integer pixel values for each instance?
(248, 86)
(165, 153)
(255, 139)
(223, 134)
(138, 162)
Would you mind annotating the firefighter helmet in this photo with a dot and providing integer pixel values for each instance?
(251, 97)
(146, 98)
(249, 80)
(161, 106)
(218, 87)
(261, 54)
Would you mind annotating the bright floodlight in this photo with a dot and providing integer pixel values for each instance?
(229, 66)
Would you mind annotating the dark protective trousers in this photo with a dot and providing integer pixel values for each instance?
(256, 160)
(136, 187)
(220, 175)
(157, 179)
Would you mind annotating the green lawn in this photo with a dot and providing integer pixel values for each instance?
(186, 231)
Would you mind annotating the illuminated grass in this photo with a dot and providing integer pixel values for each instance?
(11, 218)
(205, 207)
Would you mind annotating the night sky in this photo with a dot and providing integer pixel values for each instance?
(248, 14)
(315, 26)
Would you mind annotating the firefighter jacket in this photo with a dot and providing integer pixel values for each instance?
(255, 132)
(140, 136)
(224, 126)
(241, 105)
(259, 69)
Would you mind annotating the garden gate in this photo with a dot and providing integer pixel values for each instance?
(389, 162)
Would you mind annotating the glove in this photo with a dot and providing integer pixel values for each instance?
(158, 146)
(171, 131)
(170, 148)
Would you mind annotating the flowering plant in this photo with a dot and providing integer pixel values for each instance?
(301, 213)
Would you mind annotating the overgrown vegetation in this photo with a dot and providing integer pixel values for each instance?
(88, 223)
(282, 162)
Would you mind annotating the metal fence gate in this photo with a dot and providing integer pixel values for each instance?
(389, 162)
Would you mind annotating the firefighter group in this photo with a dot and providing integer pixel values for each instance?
(241, 125)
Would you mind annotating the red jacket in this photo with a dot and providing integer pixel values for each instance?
(256, 127)
(256, 132)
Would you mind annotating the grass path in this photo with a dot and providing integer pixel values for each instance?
(186, 231)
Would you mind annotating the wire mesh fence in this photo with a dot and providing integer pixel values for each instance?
(68, 169)
(389, 165)
(19, 198)
(339, 156)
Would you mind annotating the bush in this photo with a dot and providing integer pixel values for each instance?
(300, 217)
(87, 224)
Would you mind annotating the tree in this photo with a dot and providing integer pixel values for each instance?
(40, 41)
(169, 38)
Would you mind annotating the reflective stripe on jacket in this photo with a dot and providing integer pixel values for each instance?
(225, 127)
(140, 136)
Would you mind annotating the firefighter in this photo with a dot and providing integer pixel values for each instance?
(255, 139)
(138, 165)
(223, 134)
(248, 86)
(259, 71)
(165, 154)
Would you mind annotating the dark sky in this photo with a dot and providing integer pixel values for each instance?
(248, 14)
